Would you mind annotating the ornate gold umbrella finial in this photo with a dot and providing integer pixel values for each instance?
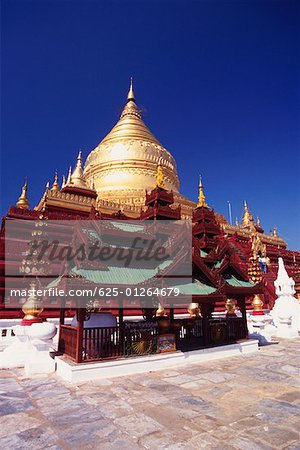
(130, 95)
(23, 203)
(201, 198)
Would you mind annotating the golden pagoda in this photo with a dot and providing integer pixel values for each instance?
(124, 165)
(128, 162)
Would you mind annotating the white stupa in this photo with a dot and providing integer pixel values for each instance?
(286, 309)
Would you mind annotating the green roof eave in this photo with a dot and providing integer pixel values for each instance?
(233, 281)
(195, 288)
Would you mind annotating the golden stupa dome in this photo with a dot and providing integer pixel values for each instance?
(124, 164)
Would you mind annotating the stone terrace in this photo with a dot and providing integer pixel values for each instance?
(246, 402)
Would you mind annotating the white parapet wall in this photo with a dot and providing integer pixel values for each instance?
(6, 330)
(75, 373)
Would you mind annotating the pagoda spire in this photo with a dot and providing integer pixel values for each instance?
(130, 95)
(68, 182)
(201, 199)
(22, 203)
(247, 219)
(131, 109)
(77, 178)
(55, 185)
(63, 184)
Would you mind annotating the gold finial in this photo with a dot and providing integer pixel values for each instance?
(68, 182)
(230, 307)
(275, 232)
(257, 304)
(47, 185)
(22, 203)
(247, 219)
(194, 309)
(131, 109)
(160, 311)
(63, 184)
(32, 308)
(55, 185)
(201, 198)
(160, 179)
(237, 222)
(77, 178)
(258, 221)
(130, 95)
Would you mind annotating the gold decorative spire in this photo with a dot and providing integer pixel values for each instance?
(55, 185)
(275, 232)
(237, 222)
(201, 198)
(247, 219)
(160, 179)
(258, 221)
(47, 185)
(77, 178)
(68, 182)
(130, 95)
(63, 184)
(130, 125)
(131, 108)
(22, 203)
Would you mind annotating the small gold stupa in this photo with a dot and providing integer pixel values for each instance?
(22, 202)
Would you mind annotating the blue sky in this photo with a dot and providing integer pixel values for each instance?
(218, 82)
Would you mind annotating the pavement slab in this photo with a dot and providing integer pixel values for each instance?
(247, 402)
